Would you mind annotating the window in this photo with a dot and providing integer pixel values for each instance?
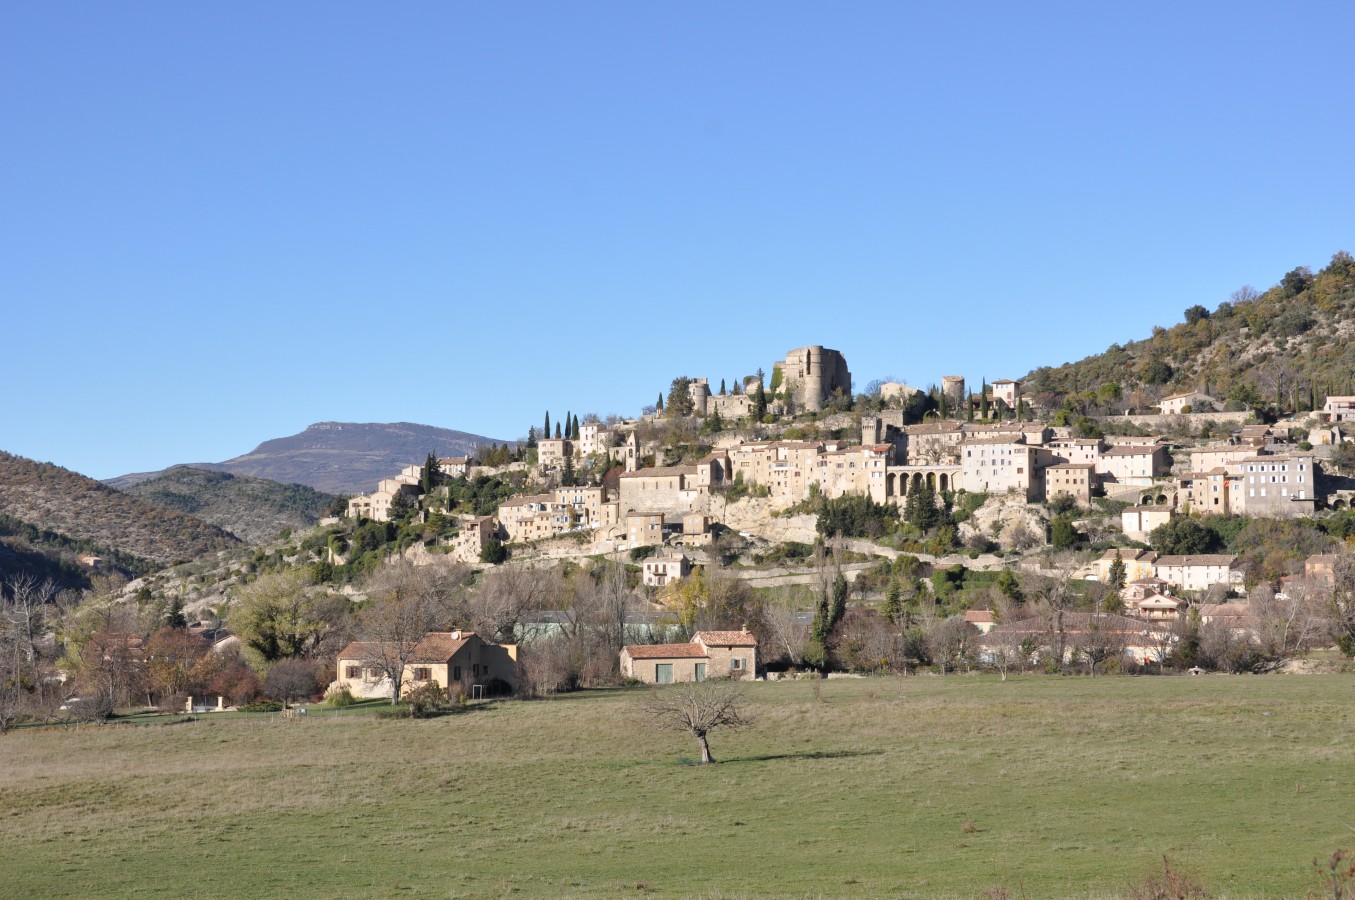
(422, 674)
(353, 672)
(736, 663)
(456, 673)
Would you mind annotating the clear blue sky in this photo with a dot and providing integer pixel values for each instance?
(220, 223)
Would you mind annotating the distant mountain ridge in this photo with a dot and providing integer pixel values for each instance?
(339, 457)
(67, 503)
(252, 509)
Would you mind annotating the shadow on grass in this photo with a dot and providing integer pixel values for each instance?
(774, 757)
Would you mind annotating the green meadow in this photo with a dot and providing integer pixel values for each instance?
(912, 787)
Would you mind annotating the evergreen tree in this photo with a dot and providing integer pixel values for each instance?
(567, 473)
(1116, 574)
(944, 413)
(839, 606)
(531, 437)
(428, 478)
(969, 411)
(738, 386)
(759, 399)
(545, 432)
(722, 387)
(920, 509)
(576, 428)
(557, 431)
(983, 400)
(893, 608)
(174, 617)
(569, 432)
(659, 406)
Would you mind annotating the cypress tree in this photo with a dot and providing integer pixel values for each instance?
(557, 431)
(839, 607)
(983, 399)
(576, 428)
(759, 399)
(659, 405)
(722, 387)
(545, 432)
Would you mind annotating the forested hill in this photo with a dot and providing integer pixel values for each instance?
(1277, 351)
(56, 499)
(252, 509)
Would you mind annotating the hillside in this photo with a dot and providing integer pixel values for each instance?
(339, 457)
(52, 498)
(1278, 351)
(252, 509)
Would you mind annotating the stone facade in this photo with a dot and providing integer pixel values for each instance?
(810, 375)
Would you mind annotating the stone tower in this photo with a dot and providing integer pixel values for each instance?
(811, 374)
(953, 387)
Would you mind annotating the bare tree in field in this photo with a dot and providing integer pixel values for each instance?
(1052, 597)
(24, 602)
(408, 602)
(697, 708)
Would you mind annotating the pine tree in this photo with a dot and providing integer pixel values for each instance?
(531, 436)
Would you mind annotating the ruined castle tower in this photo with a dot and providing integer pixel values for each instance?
(953, 387)
(811, 374)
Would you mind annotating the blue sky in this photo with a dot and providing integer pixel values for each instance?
(220, 223)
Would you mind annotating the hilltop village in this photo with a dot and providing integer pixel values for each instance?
(990, 444)
(1007, 482)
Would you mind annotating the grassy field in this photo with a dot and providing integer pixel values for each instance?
(900, 787)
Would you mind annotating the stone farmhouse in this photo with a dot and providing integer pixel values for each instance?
(709, 654)
(445, 658)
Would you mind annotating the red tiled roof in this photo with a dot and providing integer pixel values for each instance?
(439, 646)
(360, 650)
(725, 638)
(666, 651)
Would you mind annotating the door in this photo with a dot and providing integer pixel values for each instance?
(700, 671)
(663, 673)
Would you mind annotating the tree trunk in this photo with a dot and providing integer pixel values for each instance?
(706, 758)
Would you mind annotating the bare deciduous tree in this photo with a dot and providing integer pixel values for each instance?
(24, 602)
(408, 602)
(697, 708)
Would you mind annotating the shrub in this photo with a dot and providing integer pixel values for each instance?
(262, 706)
(340, 698)
(395, 712)
(428, 699)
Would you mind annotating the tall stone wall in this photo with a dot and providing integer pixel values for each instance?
(810, 375)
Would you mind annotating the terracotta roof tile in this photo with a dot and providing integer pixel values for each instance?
(725, 638)
(666, 651)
